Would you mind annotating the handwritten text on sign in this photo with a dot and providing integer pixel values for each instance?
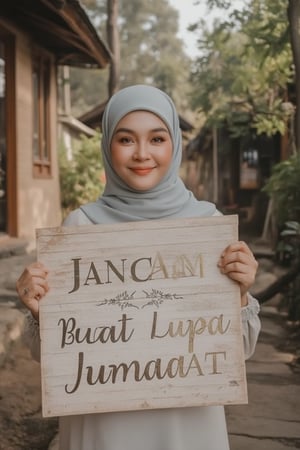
(139, 316)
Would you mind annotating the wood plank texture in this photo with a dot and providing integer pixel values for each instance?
(138, 316)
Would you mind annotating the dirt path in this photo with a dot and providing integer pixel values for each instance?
(21, 424)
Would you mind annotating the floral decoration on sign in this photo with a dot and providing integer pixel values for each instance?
(155, 297)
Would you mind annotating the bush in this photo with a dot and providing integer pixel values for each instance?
(289, 254)
(284, 188)
(81, 178)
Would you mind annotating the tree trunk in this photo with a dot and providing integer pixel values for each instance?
(114, 45)
(293, 12)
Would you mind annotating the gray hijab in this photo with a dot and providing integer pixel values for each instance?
(170, 198)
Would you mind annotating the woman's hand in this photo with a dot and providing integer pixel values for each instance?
(32, 287)
(238, 263)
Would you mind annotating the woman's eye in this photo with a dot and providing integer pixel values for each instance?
(158, 139)
(125, 140)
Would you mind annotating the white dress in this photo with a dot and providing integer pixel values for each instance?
(200, 428)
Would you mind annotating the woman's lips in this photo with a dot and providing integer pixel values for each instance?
(142, 170)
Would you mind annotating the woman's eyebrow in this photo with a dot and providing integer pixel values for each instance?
(159, 130)
(123, 130)
(154, 130)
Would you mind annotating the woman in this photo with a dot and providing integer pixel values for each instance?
(141, 146)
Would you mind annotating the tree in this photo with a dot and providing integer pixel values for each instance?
(294, 21)
(150, 50)
(90, 87)
(81, 178)
(114, 45)
(245, 66)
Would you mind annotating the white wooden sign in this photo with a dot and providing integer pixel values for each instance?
(139, 316)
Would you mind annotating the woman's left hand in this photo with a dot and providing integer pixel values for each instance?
(238, 263)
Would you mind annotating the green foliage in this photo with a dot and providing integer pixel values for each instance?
(150, 50)
(288, 252)
(82, 177)
(221, 4)
(284, 188)
(244, 68)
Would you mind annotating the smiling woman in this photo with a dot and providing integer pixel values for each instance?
(141, 150)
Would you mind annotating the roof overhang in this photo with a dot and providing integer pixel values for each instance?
(62, 27)
(93, 118)
(75, 124)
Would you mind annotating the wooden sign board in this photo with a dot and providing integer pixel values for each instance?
(139, 316)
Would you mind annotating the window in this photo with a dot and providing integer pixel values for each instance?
(41, 115)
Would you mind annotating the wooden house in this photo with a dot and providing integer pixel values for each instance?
(232, 172)
(36, 37)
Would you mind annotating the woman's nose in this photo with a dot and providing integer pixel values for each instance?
(141, 152)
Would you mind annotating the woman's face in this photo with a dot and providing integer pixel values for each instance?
(141, 150)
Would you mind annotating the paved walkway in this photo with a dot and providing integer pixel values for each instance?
(271, 420)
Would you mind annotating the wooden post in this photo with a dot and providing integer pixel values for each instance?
(215, 166)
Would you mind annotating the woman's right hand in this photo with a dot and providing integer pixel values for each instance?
(32, 286)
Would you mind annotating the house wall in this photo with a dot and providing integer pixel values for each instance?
(38, 199)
